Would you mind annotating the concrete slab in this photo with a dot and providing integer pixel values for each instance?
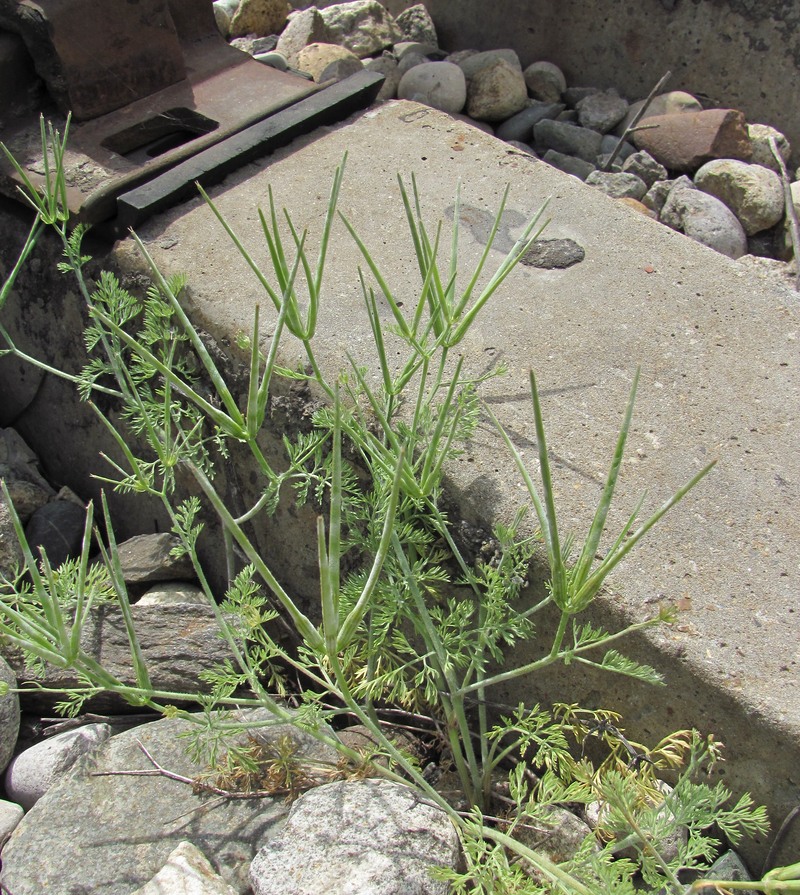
(719, 358)
(718, 353)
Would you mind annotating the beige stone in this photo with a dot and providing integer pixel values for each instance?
(261, 17)
(325, 62)
(496, 92)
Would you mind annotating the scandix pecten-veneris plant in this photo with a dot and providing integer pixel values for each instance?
(406, 620)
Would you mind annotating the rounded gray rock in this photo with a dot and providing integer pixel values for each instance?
(545, 81)
(705, 219)
(35, 770)
(496, 92)
(474, 62)
(441, 85)
(567, 138)
(753, 193)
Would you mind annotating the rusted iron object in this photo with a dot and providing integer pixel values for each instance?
(204, 92)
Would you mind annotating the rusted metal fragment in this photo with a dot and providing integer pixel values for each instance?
(97, 56)
(211, 165)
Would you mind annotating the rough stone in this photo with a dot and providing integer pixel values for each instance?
(762, 153)
(601, 111)
(569, 164)
(684, 141)
(753, 193)
(618, 185)
(304, 28)
(94, 845)
(178, 641)
(568, 139)
(357, 836)
(438, 84)
(520, 126)
(706, 220)
(545, 81)
(9, 715)
(328, 62)
(656, 196)
(645, 167)
(187, 872)
(416, 24)
(387, 66)
(553, 254)
(19, 467)
(363, 26)
(34, 771)
(474, 62)
(57, 529)
(260, 17)
(146, 558)
(496, 92)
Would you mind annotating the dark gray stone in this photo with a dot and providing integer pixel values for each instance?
(569, 164)
(56, 529)
(568, 139)
(573, 95)
(520, 126)
(601, 111)
(146, 558)
(553, 254)
(645, 167)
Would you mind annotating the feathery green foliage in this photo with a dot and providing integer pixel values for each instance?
(405, 618)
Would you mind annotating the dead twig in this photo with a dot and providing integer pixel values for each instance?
(635, 120)
(197, 785)
(791, 213)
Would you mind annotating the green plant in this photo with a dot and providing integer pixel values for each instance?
(404, 617)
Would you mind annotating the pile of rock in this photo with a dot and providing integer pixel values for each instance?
(703, 172)
(76, 812)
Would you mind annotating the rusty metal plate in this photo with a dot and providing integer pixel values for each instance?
(96, 56)
(225, 91)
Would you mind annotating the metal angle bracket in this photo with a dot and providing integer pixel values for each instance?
(211, 165)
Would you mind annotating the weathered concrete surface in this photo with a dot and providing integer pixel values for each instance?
(741, 54)
(719, 380)
(718, 354)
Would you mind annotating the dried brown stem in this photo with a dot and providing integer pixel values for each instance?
(791, 213)
(158, 771)
(636, 118)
